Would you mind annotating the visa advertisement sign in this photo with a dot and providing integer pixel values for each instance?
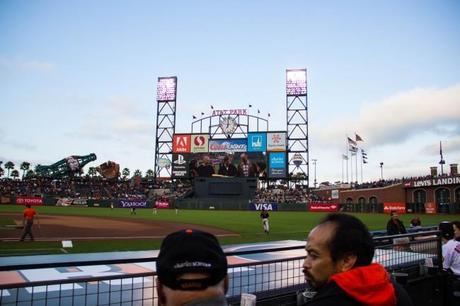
(263, 206)
(257, 142)
(277, 165)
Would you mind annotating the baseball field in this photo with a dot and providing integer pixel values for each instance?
(105, 229)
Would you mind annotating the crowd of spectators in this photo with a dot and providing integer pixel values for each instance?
(94, 188)
(281, 194)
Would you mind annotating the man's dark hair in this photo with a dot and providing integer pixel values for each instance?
(456, 223)
(350, 236)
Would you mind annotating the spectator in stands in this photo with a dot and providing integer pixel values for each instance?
(416, 222)
(29, 215)
(191, 269)
(338, 267)
(246, 168)
(226, 167)
(451, 252)
(394, 225)
(205, 169)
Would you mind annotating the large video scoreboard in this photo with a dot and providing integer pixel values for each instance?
(268, 150)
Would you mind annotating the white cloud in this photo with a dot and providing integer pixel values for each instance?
(26, 65)
(399, 117)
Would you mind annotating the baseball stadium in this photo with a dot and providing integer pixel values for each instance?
(96, 236)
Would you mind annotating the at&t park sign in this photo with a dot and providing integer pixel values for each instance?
(224, 112)
(434, 182)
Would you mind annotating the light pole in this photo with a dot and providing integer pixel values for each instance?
(381, 171)
(314, 163)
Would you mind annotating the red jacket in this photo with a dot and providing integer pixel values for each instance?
(369, 285)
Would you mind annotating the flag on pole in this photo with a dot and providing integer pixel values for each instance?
(344, 157)
(351, 142)
(212, 107)
(440, 150)
(358, 138)
(353, 148)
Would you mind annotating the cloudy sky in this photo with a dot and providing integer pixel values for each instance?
(78, 77)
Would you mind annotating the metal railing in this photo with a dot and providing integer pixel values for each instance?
(277, 272)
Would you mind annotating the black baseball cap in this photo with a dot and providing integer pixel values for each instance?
(190, 251)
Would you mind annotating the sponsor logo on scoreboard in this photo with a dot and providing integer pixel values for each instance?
(181, 143)
(199, 143)
(226, 145)
(257, 142)
(276, 141)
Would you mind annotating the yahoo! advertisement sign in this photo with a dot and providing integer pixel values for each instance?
(228, 145)
(127, 203)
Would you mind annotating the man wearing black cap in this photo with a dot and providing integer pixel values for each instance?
(192, 270)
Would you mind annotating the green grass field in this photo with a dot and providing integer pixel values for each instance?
(283, 226)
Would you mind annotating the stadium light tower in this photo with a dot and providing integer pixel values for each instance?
(165, 124)
(314, 163)
(297, 125)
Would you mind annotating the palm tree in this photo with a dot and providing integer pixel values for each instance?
(92, 171)
(137, 173)
(149, 173)
(30, 173)
(9, 165)
(125, 173)
(24, 167)
(15, 173)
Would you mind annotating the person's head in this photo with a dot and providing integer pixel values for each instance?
(339, 243)
(206, 160)
(244, 157)
(394, 215)
(191, 265)
(456, 227)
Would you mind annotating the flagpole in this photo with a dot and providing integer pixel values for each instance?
(356, 164)
(362, 167)
(342, 167)
(347, 157)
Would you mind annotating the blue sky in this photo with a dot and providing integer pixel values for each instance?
(78, 77)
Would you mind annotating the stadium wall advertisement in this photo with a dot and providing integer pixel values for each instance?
(34, 201)
(161, 204)
(128, 203)
(430, 208)
(263, 206)
(398, 206)
(323, 207)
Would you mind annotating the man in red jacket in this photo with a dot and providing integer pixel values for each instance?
(338, 267)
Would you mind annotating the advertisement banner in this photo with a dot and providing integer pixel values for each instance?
(323, 207)
(276, 142)
(161, 204)
(430, 208)
(257, 142)
(80, 202)
(277, 165)
(129, 203)
(180, 165)
(37, 201)
(199, 143)
(398, 206)
(228, 145)
(64, 202)
(263, 206)
(181, 143)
